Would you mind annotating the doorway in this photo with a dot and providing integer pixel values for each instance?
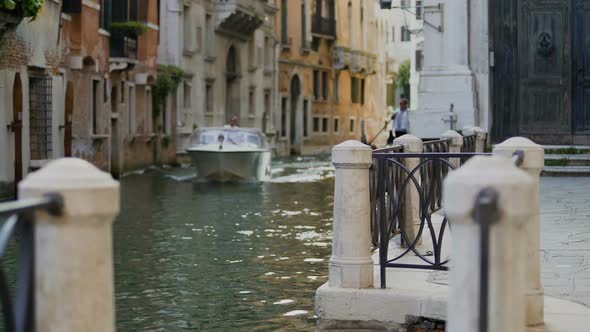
(68, 119)
(17, 127)
(296, 119)
(232, 84)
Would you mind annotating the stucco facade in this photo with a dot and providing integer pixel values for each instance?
(332, 81)
(31, 97)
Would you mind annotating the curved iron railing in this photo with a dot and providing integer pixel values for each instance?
(468, 146)
(394, 177)
(394, 180)
(436, 146)
(19, 222)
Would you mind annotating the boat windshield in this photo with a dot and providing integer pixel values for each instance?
(237, 136)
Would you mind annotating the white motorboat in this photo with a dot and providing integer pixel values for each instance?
(230, 154)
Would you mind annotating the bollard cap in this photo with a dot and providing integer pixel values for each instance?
(534, 154)
(455, 137)
(86, 189)
(352, 154)
(410, 142)
(514, 186)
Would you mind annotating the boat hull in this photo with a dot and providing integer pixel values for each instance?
(224, 166)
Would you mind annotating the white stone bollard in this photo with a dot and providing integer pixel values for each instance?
(351, 265)
(480, 137)
(506, 282)
(74, 252)
(534, 160)
(412, 144)
(455, 144)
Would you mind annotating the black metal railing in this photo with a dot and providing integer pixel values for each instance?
(123, 46)
(323, 26)
(392, 184)
(18, 219)
(469, 144)
(389, 191)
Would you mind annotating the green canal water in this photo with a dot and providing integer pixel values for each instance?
(223, 257)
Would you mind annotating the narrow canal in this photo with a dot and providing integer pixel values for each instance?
(223, 257)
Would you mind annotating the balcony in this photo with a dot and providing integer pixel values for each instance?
(123, 47)
(358, 62)
(323, 26)
(238, 19)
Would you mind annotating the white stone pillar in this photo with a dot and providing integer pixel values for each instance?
(534, 160)
(74, 253)
(411, 215)
(455, 144)
(506, 282)
(351, 265)
(480, 137)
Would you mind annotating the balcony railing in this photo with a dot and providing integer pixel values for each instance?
(323, 26)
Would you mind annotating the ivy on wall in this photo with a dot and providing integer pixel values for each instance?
(169, 77)
(22, 8)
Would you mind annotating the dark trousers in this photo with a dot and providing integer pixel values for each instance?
(400, 133)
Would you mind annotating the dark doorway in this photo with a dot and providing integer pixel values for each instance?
(541, 74)
(295, 118)
(17, 127)
(232, 93)
(68, 119)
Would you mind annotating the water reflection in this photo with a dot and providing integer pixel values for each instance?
(223, 257)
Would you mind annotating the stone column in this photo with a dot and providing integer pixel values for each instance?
(507, 266)
(480, 137)
(534, 160)
(73, 253)
(455, 144)
(412, 144)
(351, 265)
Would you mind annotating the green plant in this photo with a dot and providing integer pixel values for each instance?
(130, 27)
(169, 77)
(569, 150)
(556, 162)
(404, 77)
(24, 8)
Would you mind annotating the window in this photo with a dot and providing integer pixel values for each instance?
(105, 86)
(315, 43)
(284, 23)
(305, 118)
(187, 95)
(209, 97)
(316, 124)
(418, 9)
(149, 128)
(404, 3)
(352, 125)
(268, 54)
(354, 90)
(251, 101)
(362, 91)
(199, 38)
(337, 88)
(259, 56)
(419, 60)
(105, 15)
(123, 92)
(94, 106)
(325, 90)
(405, 34)
(266, 109)
(284, 117)
(316, 85)
(303, 26)
(392, 34)
(325, 125)
(131, 108)
(40, 116)
(336, 125)
(350, 25)
(209, 36)
(189, 46)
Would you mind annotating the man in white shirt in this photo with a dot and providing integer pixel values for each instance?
(400, 120)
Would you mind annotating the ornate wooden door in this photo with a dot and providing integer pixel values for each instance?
(581, 67)
(545, 78)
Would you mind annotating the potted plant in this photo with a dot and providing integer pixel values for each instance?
(131, 29)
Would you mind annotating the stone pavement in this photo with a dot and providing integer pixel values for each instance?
(565, 237)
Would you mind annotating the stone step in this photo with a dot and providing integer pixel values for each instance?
(567, 149)
(567, 159)
(566, 171)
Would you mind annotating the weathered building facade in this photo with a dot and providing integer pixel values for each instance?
(226, 50)
(332, 82)
(32, 89)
